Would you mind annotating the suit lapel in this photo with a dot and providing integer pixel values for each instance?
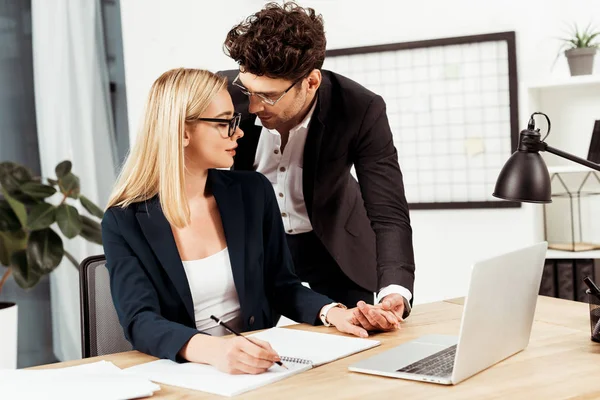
(312, 147)
(228, 195)
(159, 235)
(311, 157)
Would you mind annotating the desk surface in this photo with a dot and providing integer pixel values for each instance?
(560, 362)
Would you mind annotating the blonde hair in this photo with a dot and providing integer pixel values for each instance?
(155, 164)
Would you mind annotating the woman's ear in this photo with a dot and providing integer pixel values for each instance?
(187, 135)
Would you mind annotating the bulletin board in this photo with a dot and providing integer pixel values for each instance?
(452, 105)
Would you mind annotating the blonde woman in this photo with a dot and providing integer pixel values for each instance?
(184, 240)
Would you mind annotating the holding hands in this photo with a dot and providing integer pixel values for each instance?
(385, 316)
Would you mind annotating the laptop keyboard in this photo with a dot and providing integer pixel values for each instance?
(438, 364)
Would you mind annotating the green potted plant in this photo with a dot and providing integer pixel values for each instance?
(580, 48)
(30, 247)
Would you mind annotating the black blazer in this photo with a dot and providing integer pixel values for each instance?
(365, 227)
(149, 285)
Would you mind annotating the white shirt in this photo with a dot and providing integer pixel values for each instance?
(213, 292)
(284, 171)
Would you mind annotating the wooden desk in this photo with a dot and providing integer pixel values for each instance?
(560, 362)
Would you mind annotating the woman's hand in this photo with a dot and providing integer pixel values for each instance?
(237, 355)
(345, 322)
(357, 321)
(232, 355)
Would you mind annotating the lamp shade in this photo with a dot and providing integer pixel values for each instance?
(524, 178)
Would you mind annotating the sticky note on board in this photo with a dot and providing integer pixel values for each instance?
(474, 146)
(453, 71)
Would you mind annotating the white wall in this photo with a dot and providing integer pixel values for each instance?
(159, 35)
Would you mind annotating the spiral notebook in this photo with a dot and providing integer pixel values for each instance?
(299, 351)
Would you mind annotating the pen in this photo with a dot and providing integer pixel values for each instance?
(224, 325)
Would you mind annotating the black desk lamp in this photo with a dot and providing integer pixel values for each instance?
(525, 176)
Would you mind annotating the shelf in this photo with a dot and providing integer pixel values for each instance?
(568, 82)
(559, 254)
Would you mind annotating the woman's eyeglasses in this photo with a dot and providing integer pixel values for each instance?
(234, 122)
(270, 100)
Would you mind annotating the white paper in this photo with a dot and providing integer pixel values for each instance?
(208, 379)
(318, 348)
(100, 380)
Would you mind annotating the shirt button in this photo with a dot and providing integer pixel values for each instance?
(276, 151)
(283, 214)
(251, 320)
(290, 230)
(280, 194)
(282, 169)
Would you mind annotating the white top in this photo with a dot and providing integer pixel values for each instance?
(284, 171)
(213, 292)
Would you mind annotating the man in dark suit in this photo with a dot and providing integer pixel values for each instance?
(304, 130)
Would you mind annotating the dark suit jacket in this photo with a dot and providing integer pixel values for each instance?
(365, 225)
(149, 285)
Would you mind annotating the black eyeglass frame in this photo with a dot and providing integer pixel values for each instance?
(234, 122)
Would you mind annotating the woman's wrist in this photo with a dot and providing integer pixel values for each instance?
(201, 349)
(334, 315)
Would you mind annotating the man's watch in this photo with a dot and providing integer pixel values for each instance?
(325, 310)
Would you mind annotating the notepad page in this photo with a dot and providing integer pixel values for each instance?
(207, 378)
(319, 348)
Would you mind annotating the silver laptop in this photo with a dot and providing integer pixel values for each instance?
(496, 323)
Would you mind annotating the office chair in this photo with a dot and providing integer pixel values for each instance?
(101, 332)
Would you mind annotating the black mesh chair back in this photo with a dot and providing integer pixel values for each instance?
(101, 332)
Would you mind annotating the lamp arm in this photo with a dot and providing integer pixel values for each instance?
(570, 157)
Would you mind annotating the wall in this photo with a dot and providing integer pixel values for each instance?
(159, 35)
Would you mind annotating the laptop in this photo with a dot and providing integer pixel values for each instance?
(496, 323)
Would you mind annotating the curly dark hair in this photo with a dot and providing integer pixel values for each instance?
(280, 41)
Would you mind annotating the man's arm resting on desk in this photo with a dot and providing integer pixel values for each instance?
(382, 189)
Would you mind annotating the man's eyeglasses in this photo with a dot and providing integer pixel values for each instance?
(270, 100)
(233, 123)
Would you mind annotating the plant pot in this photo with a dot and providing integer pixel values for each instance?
(8, 336)
(581, 60)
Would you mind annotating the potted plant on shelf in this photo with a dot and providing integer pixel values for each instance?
(29, 246)
(580, 48)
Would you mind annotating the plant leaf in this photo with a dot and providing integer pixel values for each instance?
(17, 207)
(45, 250)
(37, 190)
(63, 169)
(91, 207)
(24, 275)
(4, 254)
(13, 175)
(53, 182)
(41, 216)
(8, 218)
(68, 220)
(69, 185)
(91, 230)
(11, 242)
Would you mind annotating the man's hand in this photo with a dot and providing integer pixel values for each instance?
(394, 303)
(385, 316)
(375, 318)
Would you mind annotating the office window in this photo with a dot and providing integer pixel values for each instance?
(113, 42)
(18, 131)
